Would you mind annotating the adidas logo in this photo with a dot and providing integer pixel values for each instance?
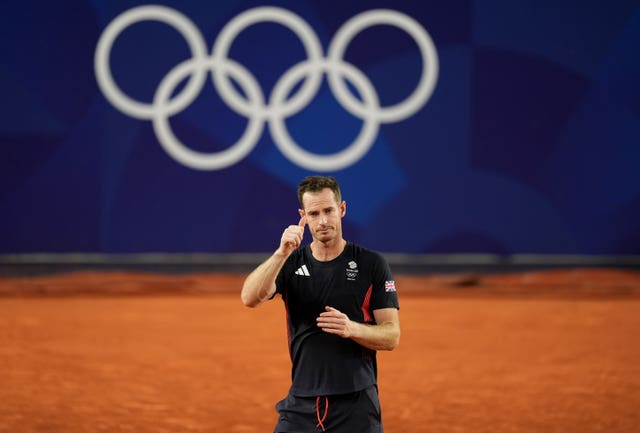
(302, 270)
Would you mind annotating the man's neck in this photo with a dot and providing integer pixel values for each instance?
(326, 251)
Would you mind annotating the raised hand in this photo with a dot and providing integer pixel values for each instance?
(292, 237)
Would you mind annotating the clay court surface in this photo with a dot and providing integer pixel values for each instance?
(120, 352)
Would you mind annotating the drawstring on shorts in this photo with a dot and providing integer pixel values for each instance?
(326, 411)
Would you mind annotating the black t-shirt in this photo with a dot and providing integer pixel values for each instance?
(356, 282)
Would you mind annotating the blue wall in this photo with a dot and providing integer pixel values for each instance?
(528, 143)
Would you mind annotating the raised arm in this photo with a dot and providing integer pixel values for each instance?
(260, 284)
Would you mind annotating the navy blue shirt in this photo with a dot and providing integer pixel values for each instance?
(356, 282)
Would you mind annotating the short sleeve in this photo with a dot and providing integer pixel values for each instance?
(384, 294)
(281, 280)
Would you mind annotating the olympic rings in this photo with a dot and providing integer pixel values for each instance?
(252, 104)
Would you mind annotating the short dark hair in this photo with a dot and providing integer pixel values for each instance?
(317, 184)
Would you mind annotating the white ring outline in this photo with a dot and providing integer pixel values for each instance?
(423, 90)
(165, 15)
(211, 160)
(281, 16)
(346, 156)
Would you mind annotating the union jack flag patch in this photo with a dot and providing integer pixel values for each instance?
(389, 286)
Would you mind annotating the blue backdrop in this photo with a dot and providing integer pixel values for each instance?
(527, 142)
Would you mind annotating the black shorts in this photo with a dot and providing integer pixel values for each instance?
(356, 412)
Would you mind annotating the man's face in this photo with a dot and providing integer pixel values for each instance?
(323, 214)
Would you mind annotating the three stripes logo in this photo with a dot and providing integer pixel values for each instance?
(302, 270)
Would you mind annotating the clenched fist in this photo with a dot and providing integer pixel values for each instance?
(292, 237)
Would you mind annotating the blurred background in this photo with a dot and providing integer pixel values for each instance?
(520, 147)
(488, 148)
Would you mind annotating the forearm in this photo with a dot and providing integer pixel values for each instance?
(384, 336)
(260, 284)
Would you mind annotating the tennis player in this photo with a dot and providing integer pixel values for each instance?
(342, 307)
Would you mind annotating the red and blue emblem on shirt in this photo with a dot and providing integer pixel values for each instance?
(389, 286)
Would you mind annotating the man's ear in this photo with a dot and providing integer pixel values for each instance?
(343, 208)
(301, 213)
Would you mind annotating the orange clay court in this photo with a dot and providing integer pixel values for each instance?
(552, 351)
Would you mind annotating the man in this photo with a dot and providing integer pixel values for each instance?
(342, 307)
